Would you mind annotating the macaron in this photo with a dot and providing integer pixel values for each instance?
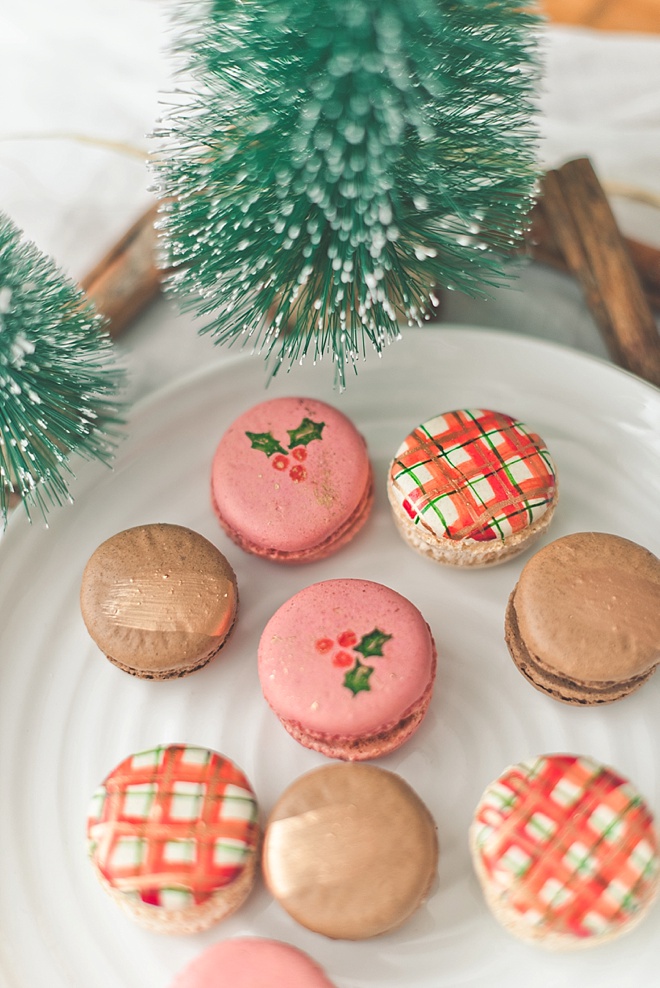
(159, 600)
(472, 487)
(566, 852)
(348, 666)
(291, 480)
(172, 835)
(350, 851)
(252, 962)
(583, 621)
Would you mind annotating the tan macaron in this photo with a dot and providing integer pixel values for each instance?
(583, 622)
(350, 851)
(159, 600)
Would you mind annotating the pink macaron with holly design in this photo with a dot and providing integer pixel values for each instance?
(291, 480)
(348, 666)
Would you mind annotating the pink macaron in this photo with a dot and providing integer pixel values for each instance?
(348, 666)
(251, 962)
(291, 480)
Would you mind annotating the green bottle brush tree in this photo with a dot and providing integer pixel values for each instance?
(325, 163)
(58, 378)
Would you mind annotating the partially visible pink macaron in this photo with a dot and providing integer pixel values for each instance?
(252, 962)
(348, 666)
(291, 480)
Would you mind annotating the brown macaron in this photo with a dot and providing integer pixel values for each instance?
(583, 622)
(159, 600)
(350, 851)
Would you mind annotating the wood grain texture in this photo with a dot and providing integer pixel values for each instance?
(606, 15)
(583, 227)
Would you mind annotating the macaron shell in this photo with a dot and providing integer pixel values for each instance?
(587, 606)
(472, 474)
(288, 473)
(350, 851)
(159, 599)
(346, 657)
(172, 826)
(252, 962)
(566, 850)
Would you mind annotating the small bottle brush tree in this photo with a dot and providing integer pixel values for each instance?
(326, 163)
(58, 378)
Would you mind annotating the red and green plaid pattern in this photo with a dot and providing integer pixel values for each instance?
(172, 825)
(473, 474)
(568, 844)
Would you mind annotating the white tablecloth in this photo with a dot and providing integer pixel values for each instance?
(77, 72)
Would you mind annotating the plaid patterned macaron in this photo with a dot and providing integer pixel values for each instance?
(472, 487)
(172, 833)
(565, 850)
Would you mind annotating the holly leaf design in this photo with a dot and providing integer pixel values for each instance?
(266, 442)
(305, 433)
(357, 678)
(372, 644)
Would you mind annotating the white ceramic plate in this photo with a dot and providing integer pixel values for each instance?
(67, 716)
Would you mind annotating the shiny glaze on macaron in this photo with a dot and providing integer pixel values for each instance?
(350, 851)
(159, 600)
(291, 480)
(583, 622)
(348, 666)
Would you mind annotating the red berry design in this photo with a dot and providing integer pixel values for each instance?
(347, 639)
(342, 659)
(324, 645)
(297, 473)
(408, 508)
(280, 462)
(299, 453)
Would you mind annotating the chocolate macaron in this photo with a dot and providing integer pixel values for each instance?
(350, 851)
(159, 600)
(583, 622)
